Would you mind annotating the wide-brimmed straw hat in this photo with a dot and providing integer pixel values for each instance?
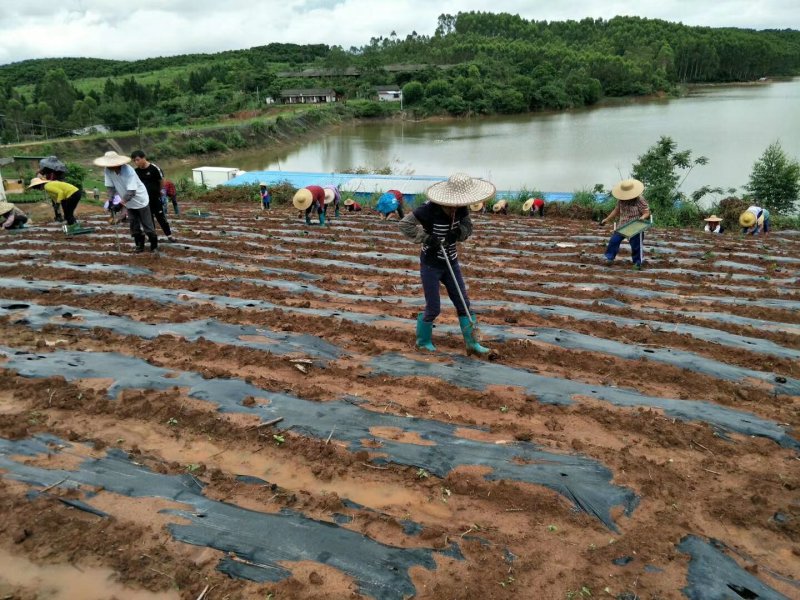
(628, 189)
(36, 181)
(262, 184)
(714, 218)
(747, 219)
(302, 199)
(460, 190)
(500, 205)
(478, 206)
(112, 159)
(527, 205)
(349, 202)
(330, 195)
(5, 207)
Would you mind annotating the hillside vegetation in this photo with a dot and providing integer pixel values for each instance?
(475, 63)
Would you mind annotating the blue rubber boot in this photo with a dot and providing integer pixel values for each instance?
(322, 219)
(424, 333)
(473, 347)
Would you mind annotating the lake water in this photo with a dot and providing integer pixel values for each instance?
(564, 152)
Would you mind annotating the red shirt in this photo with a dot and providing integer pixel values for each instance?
(169, 187)
(318, 194)
(538, 202)
(397, 194)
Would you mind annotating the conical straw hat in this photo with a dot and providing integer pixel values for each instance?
(478, 206)
(628, 189)
(499, 205)
(302, 199)
(112, 159)
(460, 190)
(527, 205)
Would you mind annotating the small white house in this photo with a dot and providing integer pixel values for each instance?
(389, 93)
(214, 176)
(91, 129)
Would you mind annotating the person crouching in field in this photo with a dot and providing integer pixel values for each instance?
(713, 224)
(11, 217)
(64, 194)
(438, 224)
(305, 198)
(121, 179)
(352, 205)
(631, 205)
(753, 220)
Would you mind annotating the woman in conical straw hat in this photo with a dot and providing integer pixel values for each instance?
(713, 224)
(631, 205)
(753, 220)
(438, 224)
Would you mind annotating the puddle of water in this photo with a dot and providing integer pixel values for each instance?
(65, 582)
(290, 475)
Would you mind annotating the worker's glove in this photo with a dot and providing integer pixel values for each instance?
(431, 241)
(451, 237)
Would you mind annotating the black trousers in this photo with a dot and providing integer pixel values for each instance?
(69, 205)
(157, 211)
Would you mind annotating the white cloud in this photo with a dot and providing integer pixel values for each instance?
(113, 29)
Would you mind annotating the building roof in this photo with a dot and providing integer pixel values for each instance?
(308, 92)
(387, 88)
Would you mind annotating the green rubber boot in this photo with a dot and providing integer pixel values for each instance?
(322, 219)
(473, 347)
(424, 333)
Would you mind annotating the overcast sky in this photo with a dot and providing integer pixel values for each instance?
(132, 30)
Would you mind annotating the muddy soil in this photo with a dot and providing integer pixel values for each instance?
(298, 313)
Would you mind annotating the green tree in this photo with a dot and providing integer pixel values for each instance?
(663, 169)
(413, 92)
(58, 93)
(775, 180)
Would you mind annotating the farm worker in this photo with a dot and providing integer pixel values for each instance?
(352, 205)
(533, 206)
(398, 195)
(306, 198)
(753, 220)
(337, 198)
(713, 224)
(501, 207)
(120, 178)
(172, 194)
(631, 205)
(64, 194)
(11, 217)
(152, 177)
(438, 224)
(388, 204)
(52, 169)
(265, 196)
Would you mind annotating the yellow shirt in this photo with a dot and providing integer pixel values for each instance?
(59, 190)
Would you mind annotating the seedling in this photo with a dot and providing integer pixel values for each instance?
(503, 409)
(552, 528)
(422, 474)
(172, 422)
(445, 494)
(192, 467)
(509, 580)
(279, 439)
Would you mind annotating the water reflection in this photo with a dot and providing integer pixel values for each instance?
(558, 151)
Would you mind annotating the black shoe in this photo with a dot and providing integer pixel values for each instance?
(138, 250)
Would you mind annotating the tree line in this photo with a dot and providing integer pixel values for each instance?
(474, 63)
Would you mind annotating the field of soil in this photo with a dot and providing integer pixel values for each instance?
(245, 415)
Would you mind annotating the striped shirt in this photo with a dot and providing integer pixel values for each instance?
(630, 210)
(435, 221)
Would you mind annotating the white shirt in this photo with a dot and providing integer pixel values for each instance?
(714, 230)
(756, 210)
(128, 180)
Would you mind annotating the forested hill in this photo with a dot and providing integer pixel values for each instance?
(474, 63)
